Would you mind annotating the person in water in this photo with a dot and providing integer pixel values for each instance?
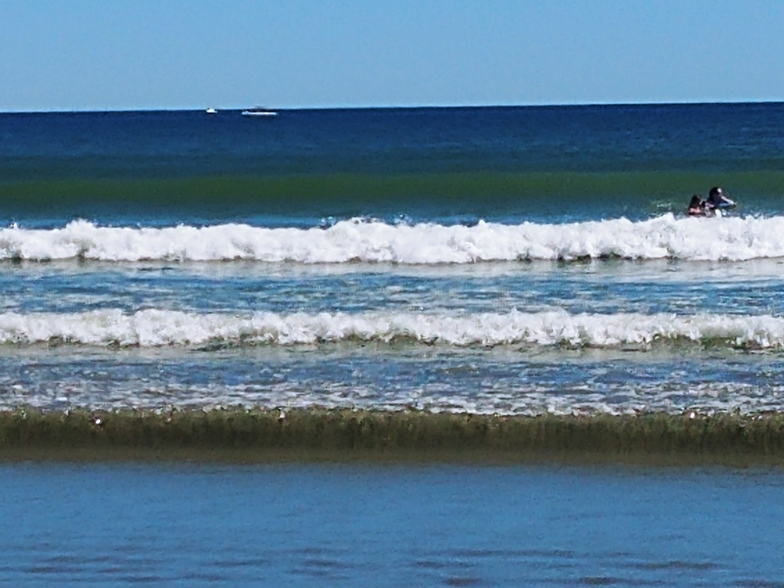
(696, 206)
(717, 199)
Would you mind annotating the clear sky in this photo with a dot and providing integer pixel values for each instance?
(142, 54)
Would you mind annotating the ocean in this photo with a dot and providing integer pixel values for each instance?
(371, 525)
(502, 260)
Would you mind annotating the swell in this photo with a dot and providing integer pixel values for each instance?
(315, 434)
(480, 194)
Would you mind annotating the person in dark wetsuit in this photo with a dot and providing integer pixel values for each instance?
(696, 206)
(717, 200)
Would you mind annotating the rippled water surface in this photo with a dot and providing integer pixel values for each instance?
(360, 525)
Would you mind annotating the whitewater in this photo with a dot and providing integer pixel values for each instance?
(374, 241)
(153, 328)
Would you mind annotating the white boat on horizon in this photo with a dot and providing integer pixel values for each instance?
(259, 111)
(211, 111)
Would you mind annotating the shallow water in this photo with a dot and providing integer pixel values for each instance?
(359, 525)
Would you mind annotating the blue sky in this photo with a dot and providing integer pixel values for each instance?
(114, 54)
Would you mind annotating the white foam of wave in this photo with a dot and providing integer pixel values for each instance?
(154, 328)
(356, 240)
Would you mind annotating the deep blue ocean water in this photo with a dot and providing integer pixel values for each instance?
(515, 260)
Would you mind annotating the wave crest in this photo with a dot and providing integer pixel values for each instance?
(378, 242)
(155, 328)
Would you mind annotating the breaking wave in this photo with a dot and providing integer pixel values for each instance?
(361, 240)
(156, 328)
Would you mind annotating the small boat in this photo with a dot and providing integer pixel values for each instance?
(211, 111)
(259, 111)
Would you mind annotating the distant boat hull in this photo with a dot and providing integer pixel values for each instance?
(259, 112)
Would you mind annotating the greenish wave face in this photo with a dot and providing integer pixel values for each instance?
(486, 195)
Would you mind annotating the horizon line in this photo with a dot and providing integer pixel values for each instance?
(394, 106)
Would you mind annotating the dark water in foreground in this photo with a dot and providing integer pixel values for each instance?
(362, 525)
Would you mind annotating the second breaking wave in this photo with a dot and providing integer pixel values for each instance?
(157, 328)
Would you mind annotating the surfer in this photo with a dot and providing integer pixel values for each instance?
(696, 206)
(717, 200)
